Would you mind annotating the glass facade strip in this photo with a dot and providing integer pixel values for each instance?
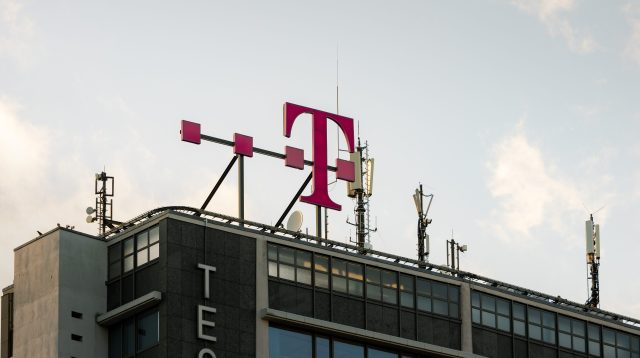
(289, 344)
(347, 350)
(377, 353)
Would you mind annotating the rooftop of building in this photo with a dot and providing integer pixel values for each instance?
(387, 258)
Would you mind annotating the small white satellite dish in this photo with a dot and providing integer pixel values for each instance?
(90, 210)
(90, 219)
(295, 221)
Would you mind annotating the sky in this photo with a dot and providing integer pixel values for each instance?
(521, 118)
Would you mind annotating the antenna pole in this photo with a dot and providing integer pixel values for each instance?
(593, 261)
(423, 222)
(104, 206)
(360, 207)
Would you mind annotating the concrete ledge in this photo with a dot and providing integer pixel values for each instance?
(360, 334)
(129, 309)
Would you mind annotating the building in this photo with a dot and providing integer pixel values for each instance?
(180, 282)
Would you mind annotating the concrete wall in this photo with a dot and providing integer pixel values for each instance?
(83, 270)
(60, 272)
(7, 295)
(36, 287)
(232, 291)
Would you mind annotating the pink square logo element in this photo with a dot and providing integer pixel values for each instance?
(345, 170)
(190, 132)
(294, 157)
(243, 144)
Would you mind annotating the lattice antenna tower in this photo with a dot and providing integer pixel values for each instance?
(362, 190)
(104, 190)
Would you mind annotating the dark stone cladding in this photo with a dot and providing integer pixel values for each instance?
(232, 286)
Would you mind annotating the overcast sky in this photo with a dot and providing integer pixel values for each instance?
(521, 117)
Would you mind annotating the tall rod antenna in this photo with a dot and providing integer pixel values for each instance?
(326, 212)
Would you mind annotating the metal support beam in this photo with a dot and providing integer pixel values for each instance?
(318, 221)
(241, 189)
(293, 201)
(215, 188)
(266, 152)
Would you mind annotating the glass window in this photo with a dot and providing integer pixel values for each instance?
(454, 293)
(542, 325)
(321, 271)
(115, 341)
(128, 247)
(376, 353)
(440, 298)
(272, 252)
(389, 287)
(439, 290)
(491, 311)
(154, 235)
(571, 333)
(355, 285)
(406, 291)
(128, 255)
(142, 242)
(142, 257)
(518, 318)
(115, 253)
(286, 255)
(154, 251)
(339, 275)
(129, 338)
(128, 263)
(147, 246)
(323, 348)
(347, 350)
(303, 267)
(148, 331)
(289, 344)
(440, 307)
(291, 264)
(593, 332)
(374, 291)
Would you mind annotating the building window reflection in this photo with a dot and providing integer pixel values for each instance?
(288, 343)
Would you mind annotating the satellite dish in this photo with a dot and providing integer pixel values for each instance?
(295, 221)
(90, 210)
(90, 219)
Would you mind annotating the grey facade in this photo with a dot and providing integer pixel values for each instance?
(142, 292)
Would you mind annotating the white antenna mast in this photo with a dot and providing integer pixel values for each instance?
(592, 236)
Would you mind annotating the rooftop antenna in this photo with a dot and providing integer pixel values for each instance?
(104, 189)
(592, 235)
(362, 189)
(453, 249)
(423, 222)
(326, 212)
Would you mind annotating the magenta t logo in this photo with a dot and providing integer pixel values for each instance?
(345, 168)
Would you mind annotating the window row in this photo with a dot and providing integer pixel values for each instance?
(134, 252)
(354, 279)
(551, 328)
(134, 335)
(284, 343)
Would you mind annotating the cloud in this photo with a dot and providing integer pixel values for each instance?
(632, 50)
(552, 14)
(17, 33)
(532, 195)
